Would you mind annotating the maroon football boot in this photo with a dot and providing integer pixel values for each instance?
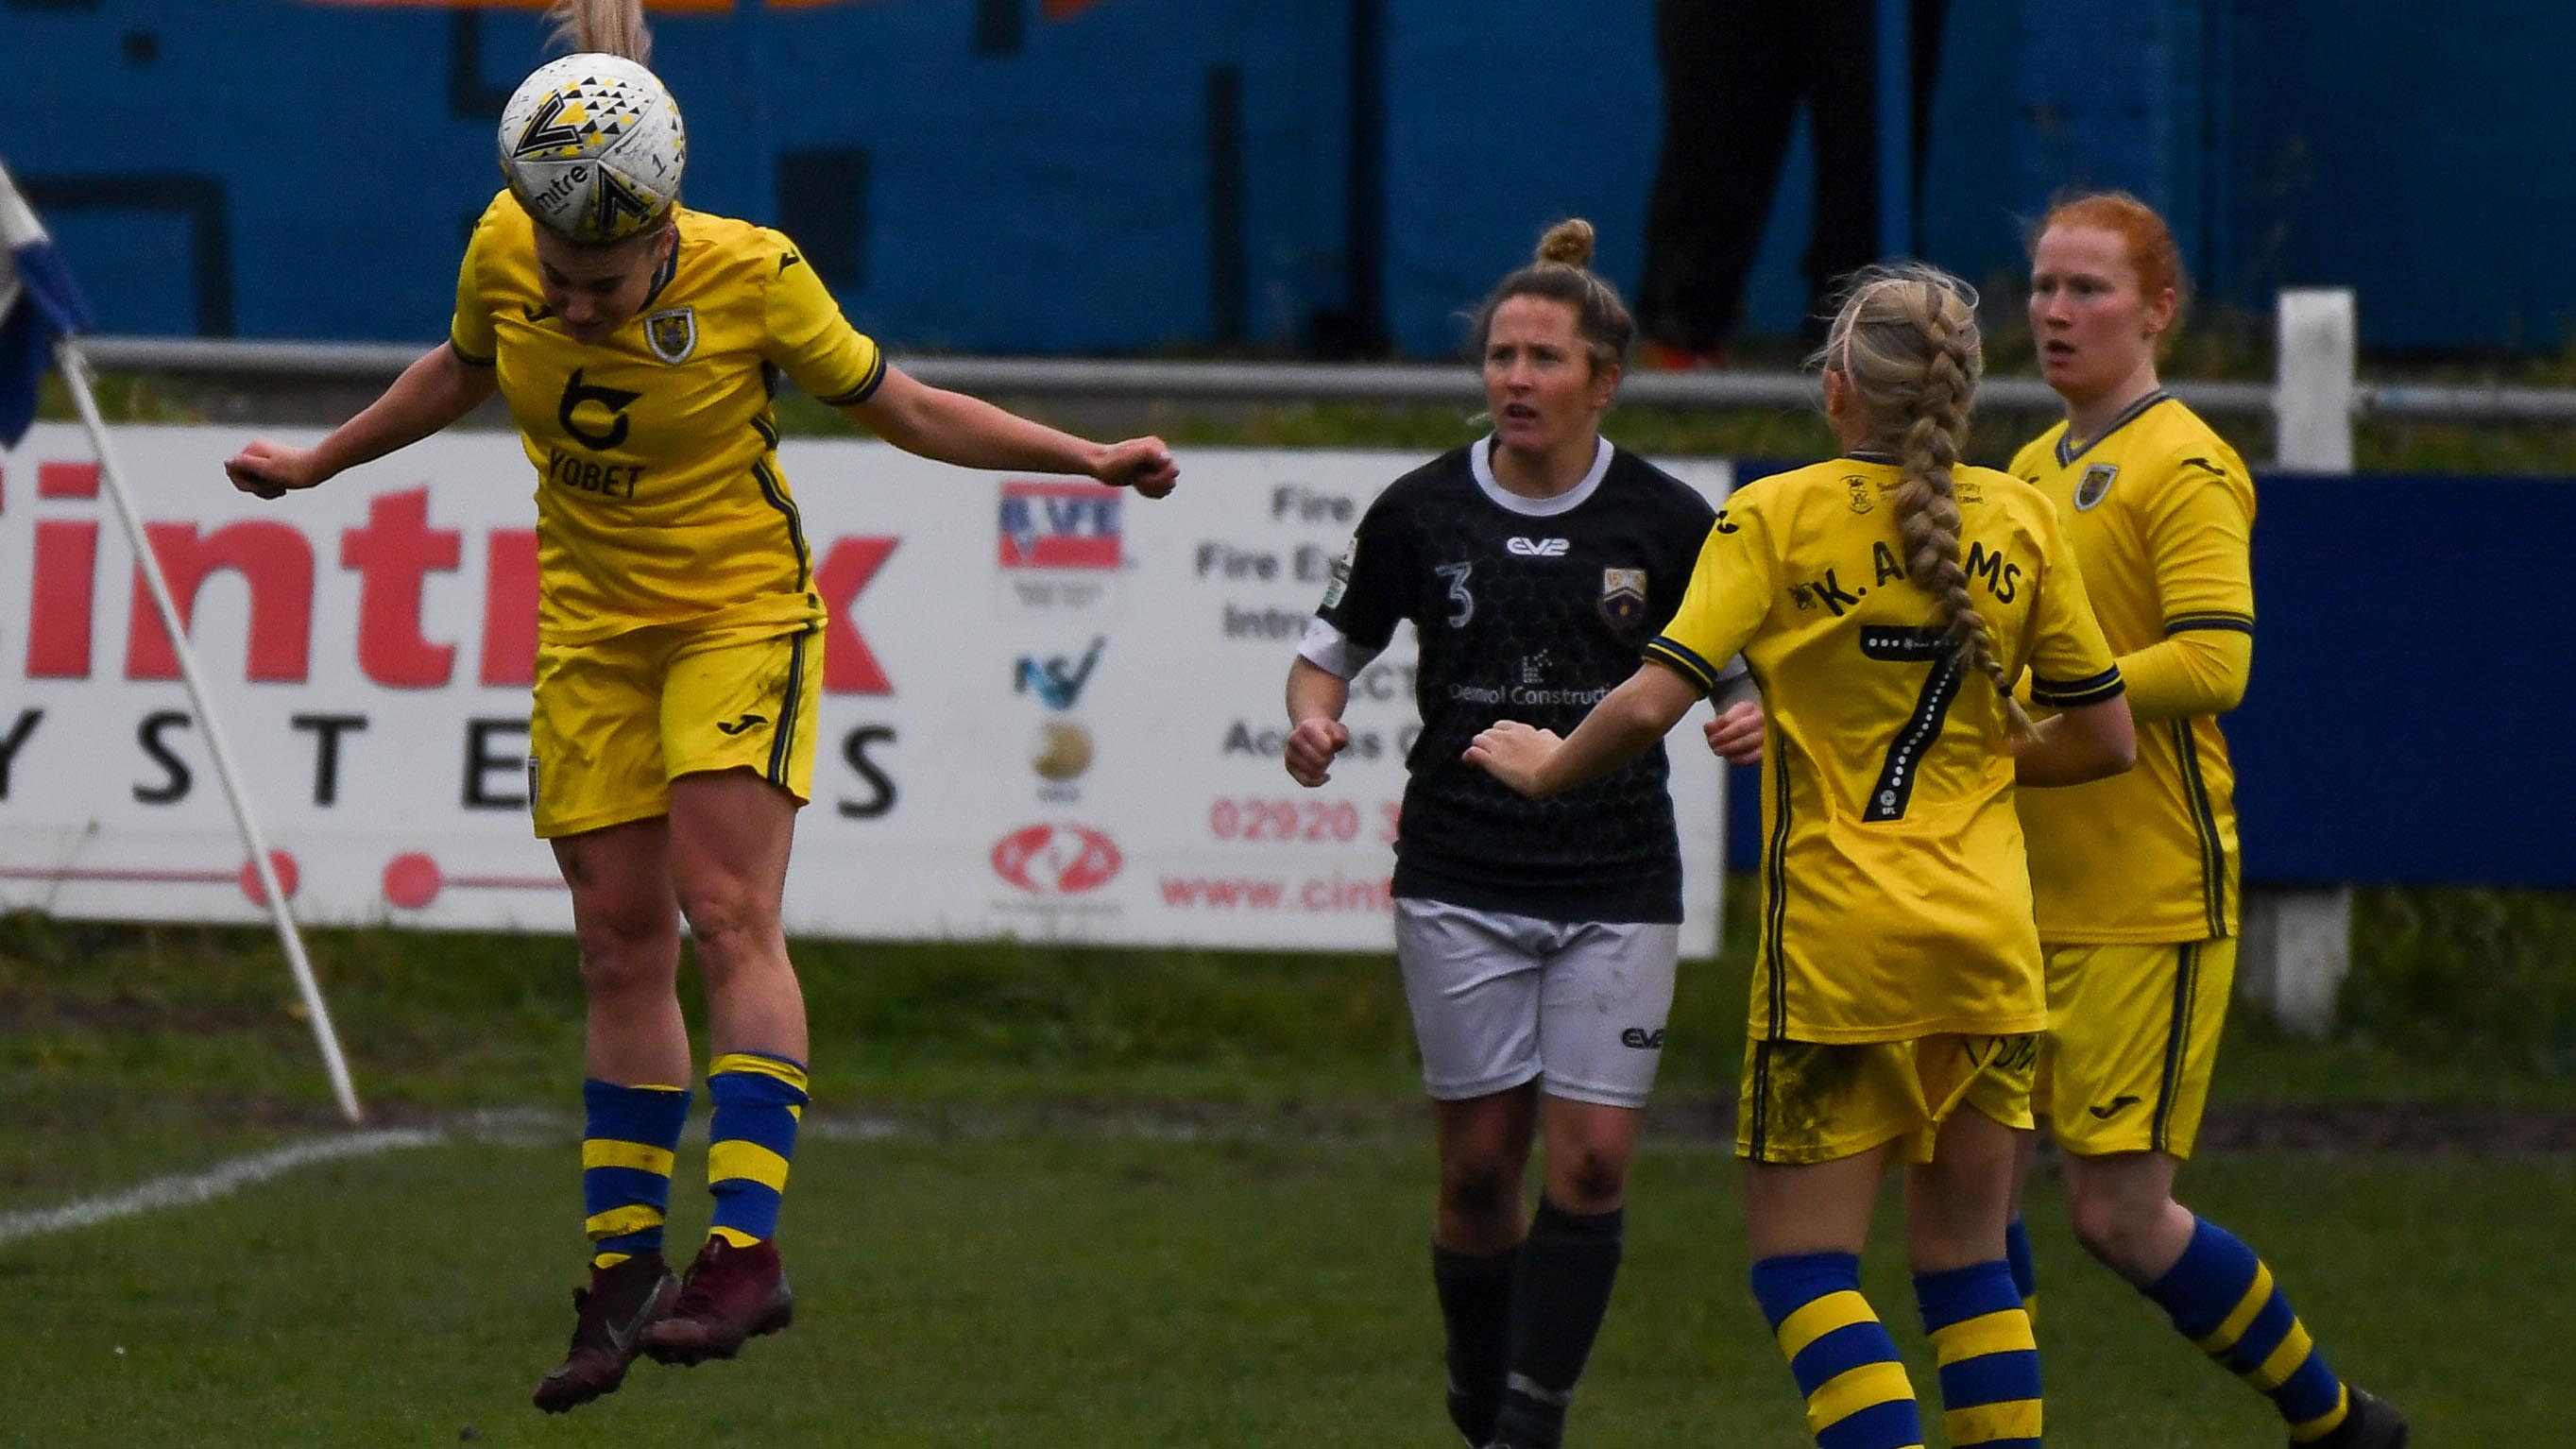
(609, 1318)
(730, 1294)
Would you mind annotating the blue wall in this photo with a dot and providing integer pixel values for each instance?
(1047, 189)
(1154, 174)
(2404, 724)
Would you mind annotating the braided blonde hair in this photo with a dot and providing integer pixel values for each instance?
(605, 27)
(1561, 272)
(1906, 342)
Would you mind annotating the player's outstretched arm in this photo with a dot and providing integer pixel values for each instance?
(432, 393)
(1316, 698)
(2087, 742)
(1621, 727)
(972, 433)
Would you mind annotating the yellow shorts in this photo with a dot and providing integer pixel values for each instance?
(615, 722)
(1808, 1102)
(2132, 1038)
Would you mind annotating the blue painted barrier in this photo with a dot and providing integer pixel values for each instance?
(2404, 724)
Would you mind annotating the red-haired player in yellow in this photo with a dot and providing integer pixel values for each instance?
(638, 345)
(2136, 877)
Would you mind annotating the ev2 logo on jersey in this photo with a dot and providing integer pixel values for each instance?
(1521, 547)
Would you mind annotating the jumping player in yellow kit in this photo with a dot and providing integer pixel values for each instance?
(2135, 878)
(638, 345)
(1883, 600)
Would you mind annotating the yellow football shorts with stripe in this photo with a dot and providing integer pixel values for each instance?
(616, 721)
(1805, 1102)
(2132, 1039)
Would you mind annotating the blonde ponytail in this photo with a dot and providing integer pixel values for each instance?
(1906, 341)
(604, 27)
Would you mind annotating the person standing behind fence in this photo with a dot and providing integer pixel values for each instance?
(1736, 73)
(1537, 941)
(1884, 599)
(2136, 878)
(680, 645)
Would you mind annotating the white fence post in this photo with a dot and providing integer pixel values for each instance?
(2320, 346)
(2297, 940)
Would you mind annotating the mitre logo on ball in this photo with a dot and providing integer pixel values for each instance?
(593, 147)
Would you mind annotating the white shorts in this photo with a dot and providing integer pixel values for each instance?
(1499, 1000)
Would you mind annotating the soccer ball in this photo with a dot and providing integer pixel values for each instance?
(592, 147)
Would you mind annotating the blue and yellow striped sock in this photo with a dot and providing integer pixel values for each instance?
(2025, 1270)
(2222, 1297)
(1857, 1394)
(758, 1099)
(1989, 1361)
(626, 1147)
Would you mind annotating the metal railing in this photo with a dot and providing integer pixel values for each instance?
(1350, 382)
(1320, 382)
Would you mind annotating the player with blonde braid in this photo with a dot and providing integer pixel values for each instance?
(1898, 980)
(679, 642)
(1927, 510)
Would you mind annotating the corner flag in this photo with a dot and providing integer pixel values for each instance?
(38, 304)
(40, 314)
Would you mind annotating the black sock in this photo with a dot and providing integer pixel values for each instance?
(1558, 1298)
(1476, 1304)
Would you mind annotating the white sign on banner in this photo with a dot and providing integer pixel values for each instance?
(1051, 710)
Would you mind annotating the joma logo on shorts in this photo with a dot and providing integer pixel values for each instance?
(737, 726)
(1642, 1039)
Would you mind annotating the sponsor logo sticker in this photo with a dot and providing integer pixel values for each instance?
(1047, 525)
(1057, 680)
(1056, 860)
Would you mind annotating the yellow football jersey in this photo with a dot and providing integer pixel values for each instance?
(1895, 889)
(2160, 514)
(659, 498)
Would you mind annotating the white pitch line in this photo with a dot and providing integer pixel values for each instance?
(220, 1181)
(536, 1126)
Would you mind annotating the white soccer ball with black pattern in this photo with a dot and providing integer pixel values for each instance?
(592, 147)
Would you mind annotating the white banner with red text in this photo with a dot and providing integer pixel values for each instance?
(1050, 710)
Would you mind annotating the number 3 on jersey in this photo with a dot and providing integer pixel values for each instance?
(1914, 737)
(1456, 574)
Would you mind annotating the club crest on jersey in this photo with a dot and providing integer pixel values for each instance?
(1623, 597)
(1861, 502)
(2097, 481)
(673, 335)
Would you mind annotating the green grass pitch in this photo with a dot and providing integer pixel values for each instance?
(1107, 1283)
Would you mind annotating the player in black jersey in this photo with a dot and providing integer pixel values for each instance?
(1537, 938)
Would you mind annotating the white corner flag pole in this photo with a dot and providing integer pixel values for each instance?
(76, 375)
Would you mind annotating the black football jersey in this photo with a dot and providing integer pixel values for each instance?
(1528, 609)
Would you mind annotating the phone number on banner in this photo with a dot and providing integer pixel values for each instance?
(1256, 820)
